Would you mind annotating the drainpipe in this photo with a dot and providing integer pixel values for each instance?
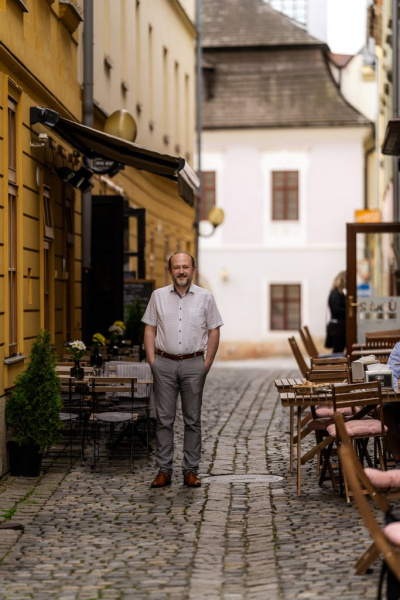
(87, 119)
(198, 127)
(395, 32)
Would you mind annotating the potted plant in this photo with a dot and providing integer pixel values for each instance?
(96, 360)
(116, 330)
(77, 348)
(33, 409)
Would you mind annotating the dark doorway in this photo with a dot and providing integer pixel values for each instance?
(110, 254)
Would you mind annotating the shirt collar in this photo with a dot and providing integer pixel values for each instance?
(190, 289)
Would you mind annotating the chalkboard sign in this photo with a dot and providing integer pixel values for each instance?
(137, 289)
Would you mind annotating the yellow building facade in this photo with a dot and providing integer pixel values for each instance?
(144, 62)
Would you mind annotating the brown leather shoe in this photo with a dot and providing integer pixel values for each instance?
(161, 480)
(190, 479)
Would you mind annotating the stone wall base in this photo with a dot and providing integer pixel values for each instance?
(241, 350)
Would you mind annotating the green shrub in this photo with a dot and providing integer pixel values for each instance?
(134, 326)
(33, 409)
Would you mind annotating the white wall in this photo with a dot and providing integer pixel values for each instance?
(249, 252)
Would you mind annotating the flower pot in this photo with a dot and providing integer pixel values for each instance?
(25, 460)
(96, 359)
(77, 371)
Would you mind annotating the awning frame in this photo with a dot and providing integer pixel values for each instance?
(93, 143)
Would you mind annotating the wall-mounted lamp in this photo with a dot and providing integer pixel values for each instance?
(224, 274)
(41, 141)
(79, 179)
(47, 116)
(121, 124)
(215, 218)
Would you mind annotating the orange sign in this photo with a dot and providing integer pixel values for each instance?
(368, 216)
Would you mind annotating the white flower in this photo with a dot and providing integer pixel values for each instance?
(116, 329)
(78, 345)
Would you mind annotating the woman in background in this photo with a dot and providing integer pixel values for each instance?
(336, 328)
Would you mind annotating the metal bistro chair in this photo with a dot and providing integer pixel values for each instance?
(74, 412)
(121, 415)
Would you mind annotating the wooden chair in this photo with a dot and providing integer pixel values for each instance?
(301, 363)
(121, 415)
(383, 538)
(363, 399)
(383, 341)
(381, 486)
(310, 345)
(323, 415)
(308, 342)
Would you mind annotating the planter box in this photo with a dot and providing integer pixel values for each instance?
(24, 461)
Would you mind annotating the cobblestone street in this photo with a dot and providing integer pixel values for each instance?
(107, 535)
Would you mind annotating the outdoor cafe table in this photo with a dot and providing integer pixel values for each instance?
(301, 401)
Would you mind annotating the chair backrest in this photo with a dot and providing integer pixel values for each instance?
(301, 363)
(379, 499)
(328, 362)
(349, 465)
(383, 341)
(336, 374)
(308, 342)
(388, 332)
(355, 395)
(113, 385)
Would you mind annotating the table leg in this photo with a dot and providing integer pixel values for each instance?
(299, 411)
(291, 449)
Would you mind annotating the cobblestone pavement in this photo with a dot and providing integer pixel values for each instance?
(107, 535)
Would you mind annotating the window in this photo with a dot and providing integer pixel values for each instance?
(12, 270)
(47, 215)
(12, 227)
(46, 273)
(208, 193)
(285, 195)
(285, 306)
(69, 222)
(48, 238)
(12, 141)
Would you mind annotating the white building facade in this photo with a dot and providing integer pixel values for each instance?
(271, 271)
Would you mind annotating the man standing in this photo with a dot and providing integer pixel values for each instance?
(182, 324)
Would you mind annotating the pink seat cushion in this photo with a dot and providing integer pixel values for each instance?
(359, 428)
(327, 411)
(383, 479)
(392, 533)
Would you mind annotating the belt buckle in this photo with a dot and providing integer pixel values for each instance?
(179, 356)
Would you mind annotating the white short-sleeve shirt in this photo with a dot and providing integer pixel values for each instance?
(182, 322)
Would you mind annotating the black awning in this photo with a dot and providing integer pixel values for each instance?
(391, 143)
(97, 144)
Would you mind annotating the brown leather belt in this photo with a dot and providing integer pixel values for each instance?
(179, 356)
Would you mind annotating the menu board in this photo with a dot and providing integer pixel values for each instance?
(137, 289)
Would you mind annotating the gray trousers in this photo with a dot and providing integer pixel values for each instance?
(172, 377)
